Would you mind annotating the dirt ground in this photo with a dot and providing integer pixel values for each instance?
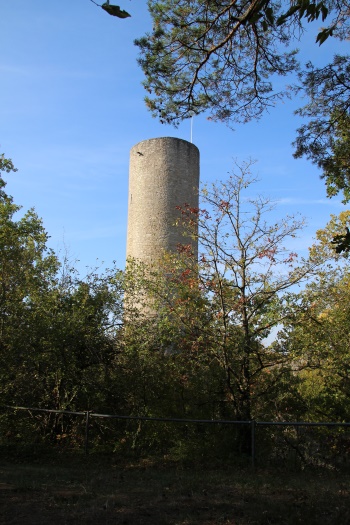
(94, 491)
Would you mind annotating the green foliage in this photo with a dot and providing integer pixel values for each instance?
(311, 11)
(342, 242)
(27, 272)
(213, 56)
(316, 333)
(58, 332)
(6, 165)
(318, 339)
(332, 241)
(185, 338)
(325, 139)
(115, 10)
(220, 56)
(206, 336)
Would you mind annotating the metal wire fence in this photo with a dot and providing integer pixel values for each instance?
(296, 438)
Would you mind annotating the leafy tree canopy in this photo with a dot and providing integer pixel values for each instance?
(325, 139)
(220, 56)
(57, 330)
(333, 240)
(317, 338)
(217, 312)
(6, 164)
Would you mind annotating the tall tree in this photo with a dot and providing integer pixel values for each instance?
(220, 310)
(27, 271)
(58, 331)
(27, 266)
(317, 337)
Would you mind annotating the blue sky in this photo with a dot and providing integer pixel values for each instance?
(71, 106)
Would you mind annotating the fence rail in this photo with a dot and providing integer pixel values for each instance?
(252, 423)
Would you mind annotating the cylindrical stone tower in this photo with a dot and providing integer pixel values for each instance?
(164, 173)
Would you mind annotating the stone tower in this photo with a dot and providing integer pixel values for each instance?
(164, 173)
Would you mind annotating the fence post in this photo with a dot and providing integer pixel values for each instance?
(252, 427)
(87, 418)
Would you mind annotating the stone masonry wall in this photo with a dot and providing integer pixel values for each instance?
(164, 173)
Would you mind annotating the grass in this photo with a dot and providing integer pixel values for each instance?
(97, 490)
